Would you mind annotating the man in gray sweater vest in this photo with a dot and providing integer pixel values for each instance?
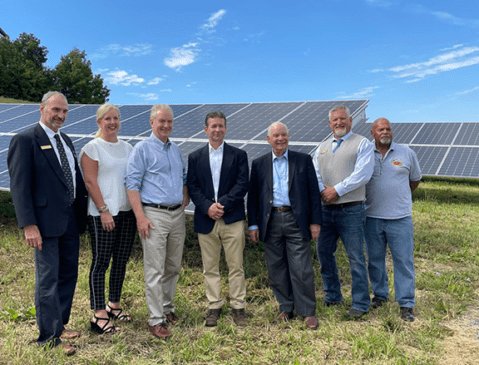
(344, 164)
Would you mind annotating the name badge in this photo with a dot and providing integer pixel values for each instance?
(324, 151)
(47, 147)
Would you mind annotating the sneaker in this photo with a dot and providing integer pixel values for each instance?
(239, 316)
(212, 317)
(376, 302)
(407, 314)
(355, 314)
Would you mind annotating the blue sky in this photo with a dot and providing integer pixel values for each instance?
(415, 60)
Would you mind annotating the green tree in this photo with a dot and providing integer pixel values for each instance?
(22, 74)
(74, 78)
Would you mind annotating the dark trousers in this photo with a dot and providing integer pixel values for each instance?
(290, 267)
(56, 272)
(107, 246)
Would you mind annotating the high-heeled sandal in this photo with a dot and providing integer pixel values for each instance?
(118, 316)
(105, 329)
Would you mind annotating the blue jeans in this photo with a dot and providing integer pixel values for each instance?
(399, 235)
(348, 224)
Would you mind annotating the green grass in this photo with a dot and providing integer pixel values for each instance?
(447, 278)
(15, 101)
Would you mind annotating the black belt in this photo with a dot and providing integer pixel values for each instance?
(282, 209)
(159, 206)
(344, 205)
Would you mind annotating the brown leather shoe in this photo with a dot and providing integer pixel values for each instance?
(69, 335)
(68, 350)
(160, 330)
(283, 317)
(212, 317)
(311, 322)
(172, 318)
(239, 316)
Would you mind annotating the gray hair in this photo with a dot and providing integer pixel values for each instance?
(275, 124)
(339, 107)
(49, 94)
(155, 108)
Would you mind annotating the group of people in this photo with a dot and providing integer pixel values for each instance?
(351, 189)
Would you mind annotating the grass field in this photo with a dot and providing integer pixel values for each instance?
(445, 331)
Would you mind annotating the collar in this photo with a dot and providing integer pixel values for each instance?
(285, 155)
(162, 144)
(48, 131)
(345, 137)
(220, 148)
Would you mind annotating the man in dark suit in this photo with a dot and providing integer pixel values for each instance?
(217, 183)
(284, 212)
(50, 202)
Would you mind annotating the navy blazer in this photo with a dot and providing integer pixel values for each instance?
(303, 192)
(38, 185)
(231, 191)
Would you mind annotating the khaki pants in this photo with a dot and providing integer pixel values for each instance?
(231, 237)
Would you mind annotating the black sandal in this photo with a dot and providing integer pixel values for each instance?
(119, 316)
(105, 329)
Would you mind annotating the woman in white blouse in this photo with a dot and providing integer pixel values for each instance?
(111, 222)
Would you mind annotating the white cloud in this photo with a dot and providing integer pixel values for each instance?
(155, 81)
(121, 77)
(149, 96)
(376, 70)
(139, 49)
(213, 21)
(444, 17)
(182, 56)
(451, 48)
(361, 94)
(468, 91)
(449, 61)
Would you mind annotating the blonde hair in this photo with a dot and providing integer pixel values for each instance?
(100, 113)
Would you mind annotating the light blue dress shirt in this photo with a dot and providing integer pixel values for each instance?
(363, 169)
(280, 180)
(157, 171)
(216, 161)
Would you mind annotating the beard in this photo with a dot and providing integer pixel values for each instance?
(340, 133)
(385, 141)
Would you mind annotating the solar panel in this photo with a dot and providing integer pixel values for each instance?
(445, 149)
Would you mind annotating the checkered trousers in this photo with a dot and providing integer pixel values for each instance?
(115, 246)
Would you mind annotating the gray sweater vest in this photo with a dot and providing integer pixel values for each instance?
(335, 167)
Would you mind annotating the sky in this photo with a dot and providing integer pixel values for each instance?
(416, 61)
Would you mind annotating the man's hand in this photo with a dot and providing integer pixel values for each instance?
(216, 211)
(143, 224)
(186, 198)
(33, 236)
(329, 194)
(254, 235)
(315, 229)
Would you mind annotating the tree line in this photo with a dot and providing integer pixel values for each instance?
(24, 76)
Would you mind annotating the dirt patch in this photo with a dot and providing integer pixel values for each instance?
(463, 346)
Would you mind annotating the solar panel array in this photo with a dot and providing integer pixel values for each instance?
(247, 125)
(443, 149)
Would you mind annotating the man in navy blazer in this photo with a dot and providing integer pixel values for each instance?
(284, 212)
(217, 183)
(51, 215)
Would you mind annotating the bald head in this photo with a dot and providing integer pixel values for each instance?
(382, 132)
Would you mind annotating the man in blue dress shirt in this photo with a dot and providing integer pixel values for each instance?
(284, 212)
(344, 164)
(156, 186)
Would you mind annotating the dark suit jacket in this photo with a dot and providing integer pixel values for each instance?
(232, 188)
(303, 192)
(38, 186)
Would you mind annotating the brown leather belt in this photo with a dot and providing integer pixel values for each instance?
(282, 209)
